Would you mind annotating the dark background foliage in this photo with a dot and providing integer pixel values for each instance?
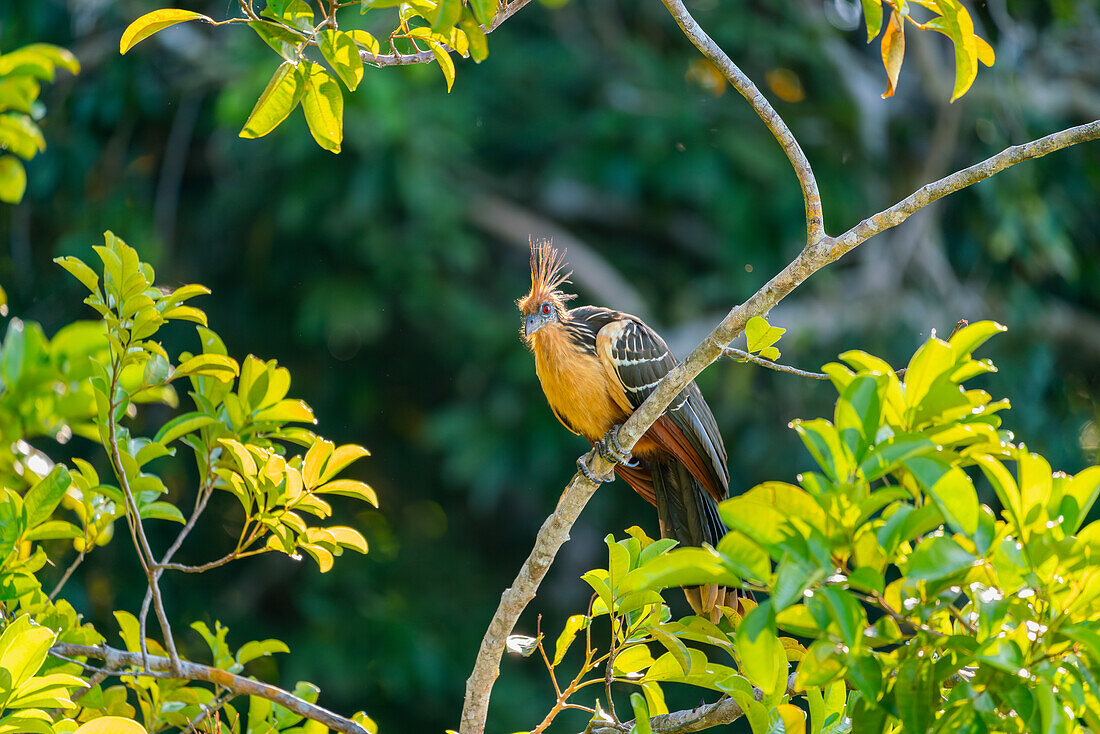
(385, 278)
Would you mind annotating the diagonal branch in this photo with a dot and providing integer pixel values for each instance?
(426, 57)
(121, 662)
(555, 531)
(701, 717)
(815, 228)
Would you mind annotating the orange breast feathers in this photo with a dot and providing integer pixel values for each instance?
(576, 384)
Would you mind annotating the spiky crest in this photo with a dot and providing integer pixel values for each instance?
(546, 276)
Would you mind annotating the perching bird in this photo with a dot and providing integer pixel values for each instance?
(596, 367)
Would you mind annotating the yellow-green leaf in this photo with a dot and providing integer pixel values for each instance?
(956, 23)
(573, 625)
(759, 334)
(279, 98)
(349, 538)
(111, 725)
(449, 12)
(212, 365)
(13, 180)
(475, 37)
(366, 40)
(281, 39)
(323, 105)
(872, 15)
(153, 22)
(485, 11)
(446, 64)
(349, 488)
(342, 54)
(287, 411)
(893, 52)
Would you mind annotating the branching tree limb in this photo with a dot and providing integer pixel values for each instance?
(121, 662)
(699, 718)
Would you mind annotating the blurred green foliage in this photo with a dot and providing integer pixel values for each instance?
(384, 278)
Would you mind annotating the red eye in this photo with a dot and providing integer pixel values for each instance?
(546, 309)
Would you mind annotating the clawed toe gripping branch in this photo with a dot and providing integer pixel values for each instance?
(820, 250)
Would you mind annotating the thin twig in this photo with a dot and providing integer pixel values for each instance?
(123, 663)
(734, 352)
(69, 571)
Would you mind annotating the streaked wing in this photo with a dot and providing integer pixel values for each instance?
(639, 357)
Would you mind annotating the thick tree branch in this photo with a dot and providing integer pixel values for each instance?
(815, 228)
(121, 662)
(425, 57)
(699, 718)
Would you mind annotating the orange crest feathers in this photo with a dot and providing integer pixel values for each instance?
(546, 276)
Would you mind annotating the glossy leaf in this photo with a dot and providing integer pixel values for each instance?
(283, 93)
(323, 104)
(153, 22)
(342, 53)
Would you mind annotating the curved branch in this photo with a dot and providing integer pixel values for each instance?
(121, 662)
(701, 717)
(815, 228)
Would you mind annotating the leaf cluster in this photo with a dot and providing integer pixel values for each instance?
(21, 73)
(901, 601)
(87, 382)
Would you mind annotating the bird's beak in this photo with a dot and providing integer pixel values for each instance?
(531, 325)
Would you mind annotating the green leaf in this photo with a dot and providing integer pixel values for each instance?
(44, 497)
(162, 511)
(182, 425)
(446, 64)
(112, 725)
(23, 649)
(872, 15)
(13, 180)
(279, 98)
(761, 655)
(80, 271)
(323, 105)
(822, 663)
(573, 625)
(153, 22)
(295, 13)
(221, 368)
(479, 46)
(251, 650)
(956, 24)
(641, 714)
(53, 530)
(366, 40)
(759, 334)
(938, 557)
(951, 489)
(916, 694)
(485, 11)
(678, 649)
(287, 411)
(284, 41)
(447, 15)
(341, 52)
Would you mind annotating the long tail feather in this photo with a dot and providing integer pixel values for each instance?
(689, 515)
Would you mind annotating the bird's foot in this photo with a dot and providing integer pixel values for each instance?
(610, 449)
(591, 475)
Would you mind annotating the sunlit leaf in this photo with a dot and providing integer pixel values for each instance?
(893, 51)
(342, 53)
(283, 93)
(13, 179)
(153, 22)
(573, 625)
(323, 104)
(446, 64)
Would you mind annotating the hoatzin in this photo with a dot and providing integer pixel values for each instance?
(596, 367)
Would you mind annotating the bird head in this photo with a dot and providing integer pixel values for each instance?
(544, 303)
